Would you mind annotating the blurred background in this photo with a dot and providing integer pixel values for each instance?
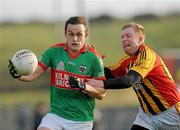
(37, 24)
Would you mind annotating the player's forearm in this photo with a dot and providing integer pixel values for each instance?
(123, 81)
(108, 73)
(33, 76)
(117, 83)
(95, 92)
(28, 78)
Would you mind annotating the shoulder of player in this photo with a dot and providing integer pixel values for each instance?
(59, 45)
(93, 51)
(147, 49)
(145, 52)
(55, 47)
(124, 59)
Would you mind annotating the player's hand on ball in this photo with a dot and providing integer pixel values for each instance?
(12, 70)
(76, 83)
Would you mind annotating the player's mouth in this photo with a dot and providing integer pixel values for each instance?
(74, 43)
(126, 46)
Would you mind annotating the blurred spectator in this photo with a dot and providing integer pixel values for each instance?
(40, 110)
(97, 120)
(22, 113)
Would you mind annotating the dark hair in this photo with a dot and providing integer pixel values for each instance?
(76, 20)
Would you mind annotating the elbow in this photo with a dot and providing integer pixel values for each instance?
(26, 78)
(101, 97)
(130, 84)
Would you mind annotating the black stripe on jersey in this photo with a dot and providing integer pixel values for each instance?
(140, 101)
(154, 98)
(142, 56)
(150, 109)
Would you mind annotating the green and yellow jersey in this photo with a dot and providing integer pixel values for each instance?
(67, 102)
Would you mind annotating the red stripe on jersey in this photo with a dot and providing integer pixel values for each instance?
(43, 66)
(60, 78)
(93, 51)
(101, 78)
(58, 45)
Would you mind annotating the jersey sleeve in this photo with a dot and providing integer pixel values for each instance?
(145, 62)
(45, 61)
(119, 69)
(98, 70)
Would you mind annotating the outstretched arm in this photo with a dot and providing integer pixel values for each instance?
(27, 78)
(118, 83)
(123, 81)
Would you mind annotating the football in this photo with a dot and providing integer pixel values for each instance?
(25, 62)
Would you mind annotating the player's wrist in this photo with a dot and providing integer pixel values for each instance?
(76, 83)
(82, 85)
(104, 85)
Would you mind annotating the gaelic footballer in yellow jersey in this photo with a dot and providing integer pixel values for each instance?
(144, 70)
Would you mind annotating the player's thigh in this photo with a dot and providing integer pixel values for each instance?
(50, 122)
(78, 125)
(43, 128)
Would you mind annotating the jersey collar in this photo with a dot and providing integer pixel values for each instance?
(82, 50)
(140, 48)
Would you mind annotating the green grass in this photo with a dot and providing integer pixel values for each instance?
(113, 98)
(29, 97)
(161, 33)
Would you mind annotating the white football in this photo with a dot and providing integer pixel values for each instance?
(25, 62)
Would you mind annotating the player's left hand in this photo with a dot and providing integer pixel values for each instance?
(13, 71)
(94, 47)
(76, 83)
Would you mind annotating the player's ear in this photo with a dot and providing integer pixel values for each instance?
(86, 34)
(141, 39)
(65, 34)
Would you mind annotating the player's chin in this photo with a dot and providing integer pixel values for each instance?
(75, 48)
(126, 51)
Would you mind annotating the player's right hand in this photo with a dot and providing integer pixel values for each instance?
(13, 71)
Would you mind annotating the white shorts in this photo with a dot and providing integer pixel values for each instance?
(55, 122)
(167, 120)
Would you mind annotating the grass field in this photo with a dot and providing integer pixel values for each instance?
(161, 33)
(113, 98)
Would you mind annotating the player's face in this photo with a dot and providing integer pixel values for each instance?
(76, 37)
(130, 41)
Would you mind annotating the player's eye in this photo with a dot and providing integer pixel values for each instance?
(71, 34)
(128, 35)
(79, 34)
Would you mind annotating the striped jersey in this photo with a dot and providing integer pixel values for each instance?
(157, 90)
(67, 102)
